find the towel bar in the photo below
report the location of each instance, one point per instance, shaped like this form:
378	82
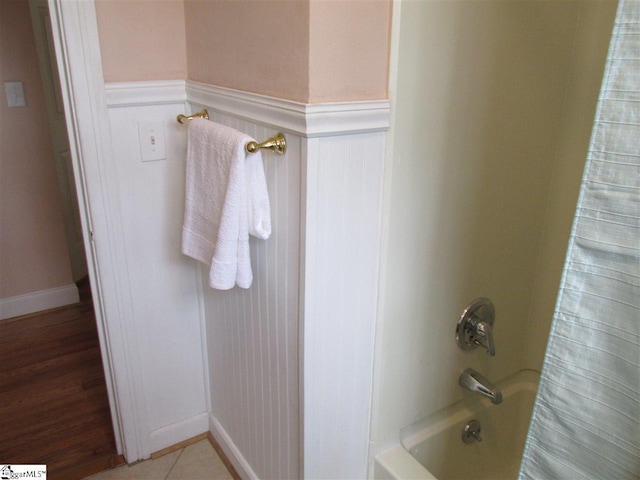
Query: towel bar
201	114
277	143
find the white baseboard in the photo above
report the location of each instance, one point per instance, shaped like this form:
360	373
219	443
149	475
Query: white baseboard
37	301
231	450
178	432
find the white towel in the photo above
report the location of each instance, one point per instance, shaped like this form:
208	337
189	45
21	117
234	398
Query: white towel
226	199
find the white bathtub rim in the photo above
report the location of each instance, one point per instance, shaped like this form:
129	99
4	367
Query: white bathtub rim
397	463
414	434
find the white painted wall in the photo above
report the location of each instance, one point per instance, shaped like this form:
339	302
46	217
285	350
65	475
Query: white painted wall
486	96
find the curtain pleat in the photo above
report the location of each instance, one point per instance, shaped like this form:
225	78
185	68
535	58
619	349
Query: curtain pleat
586	419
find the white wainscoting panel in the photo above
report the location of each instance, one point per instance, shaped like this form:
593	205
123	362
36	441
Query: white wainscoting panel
344	186
289	362
253	334
166	300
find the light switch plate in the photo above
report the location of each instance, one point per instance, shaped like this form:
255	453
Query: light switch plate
15	94
152	140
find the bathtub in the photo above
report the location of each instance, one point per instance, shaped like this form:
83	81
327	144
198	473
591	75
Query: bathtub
433	448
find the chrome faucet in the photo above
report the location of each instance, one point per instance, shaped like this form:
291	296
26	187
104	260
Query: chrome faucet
472	380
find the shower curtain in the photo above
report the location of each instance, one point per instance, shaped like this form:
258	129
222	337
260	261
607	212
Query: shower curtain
585	422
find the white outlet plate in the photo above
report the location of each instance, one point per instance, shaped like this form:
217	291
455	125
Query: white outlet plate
15	94
152	140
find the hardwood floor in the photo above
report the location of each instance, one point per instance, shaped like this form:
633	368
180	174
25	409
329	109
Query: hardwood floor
54	407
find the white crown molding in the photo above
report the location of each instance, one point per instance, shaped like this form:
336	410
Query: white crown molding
307	120
128	94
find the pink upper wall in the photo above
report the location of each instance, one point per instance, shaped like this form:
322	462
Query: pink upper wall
33	248
142	39
349	50
309	51
260	46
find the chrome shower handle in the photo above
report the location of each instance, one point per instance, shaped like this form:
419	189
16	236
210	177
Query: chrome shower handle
475	326
483	330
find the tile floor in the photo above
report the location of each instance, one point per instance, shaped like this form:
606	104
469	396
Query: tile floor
198	461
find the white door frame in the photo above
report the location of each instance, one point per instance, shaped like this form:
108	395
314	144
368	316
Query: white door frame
77	47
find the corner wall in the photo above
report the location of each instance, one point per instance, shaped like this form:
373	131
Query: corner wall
250	45
261	47
306	51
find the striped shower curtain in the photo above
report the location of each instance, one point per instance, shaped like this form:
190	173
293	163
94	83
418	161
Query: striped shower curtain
586	419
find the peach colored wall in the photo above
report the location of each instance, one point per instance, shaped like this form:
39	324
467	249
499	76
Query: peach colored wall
349	50
309	51
252	45
33	250
142	39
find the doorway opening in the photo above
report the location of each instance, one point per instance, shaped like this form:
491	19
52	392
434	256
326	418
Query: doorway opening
54	403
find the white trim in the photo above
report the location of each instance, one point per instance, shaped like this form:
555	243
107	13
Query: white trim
38	301
179	432
374	444
128	94
342	247
304	119
76	40
203	335
347	118
307	120
233	453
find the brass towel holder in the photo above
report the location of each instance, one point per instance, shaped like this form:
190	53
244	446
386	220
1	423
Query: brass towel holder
201	114
277	143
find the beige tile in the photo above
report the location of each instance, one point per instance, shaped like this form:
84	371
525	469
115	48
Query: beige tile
199	462
157	469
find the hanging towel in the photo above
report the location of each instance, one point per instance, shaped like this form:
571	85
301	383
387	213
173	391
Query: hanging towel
226	199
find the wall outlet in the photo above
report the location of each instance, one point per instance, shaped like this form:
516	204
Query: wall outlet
152	140
15	94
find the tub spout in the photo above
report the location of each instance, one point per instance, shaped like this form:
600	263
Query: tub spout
472	380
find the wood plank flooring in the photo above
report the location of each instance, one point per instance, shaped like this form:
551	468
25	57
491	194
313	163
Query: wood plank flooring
54	408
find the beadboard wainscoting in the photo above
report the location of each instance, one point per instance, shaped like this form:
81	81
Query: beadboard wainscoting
343	206
253	334
165	327
286	366
293	356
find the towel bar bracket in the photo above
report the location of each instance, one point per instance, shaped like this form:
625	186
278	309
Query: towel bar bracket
277	144
201	114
